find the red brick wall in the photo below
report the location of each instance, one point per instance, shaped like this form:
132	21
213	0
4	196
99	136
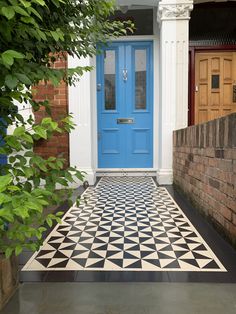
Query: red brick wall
58	145
205	169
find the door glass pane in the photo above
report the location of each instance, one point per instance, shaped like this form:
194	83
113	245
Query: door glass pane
110	79
215	81
140	79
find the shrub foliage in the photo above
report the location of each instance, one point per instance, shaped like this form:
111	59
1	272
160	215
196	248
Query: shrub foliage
33	35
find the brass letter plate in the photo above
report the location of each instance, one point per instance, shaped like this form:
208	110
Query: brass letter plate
125	121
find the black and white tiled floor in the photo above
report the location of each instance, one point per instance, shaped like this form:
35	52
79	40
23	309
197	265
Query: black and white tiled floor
125	224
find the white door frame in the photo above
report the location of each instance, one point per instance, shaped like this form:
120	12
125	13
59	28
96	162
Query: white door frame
83	140
171	47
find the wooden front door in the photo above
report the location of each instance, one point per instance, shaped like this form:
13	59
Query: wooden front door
215	78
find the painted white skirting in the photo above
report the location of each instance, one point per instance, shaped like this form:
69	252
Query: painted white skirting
164	176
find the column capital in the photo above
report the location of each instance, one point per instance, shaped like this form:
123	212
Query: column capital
174	10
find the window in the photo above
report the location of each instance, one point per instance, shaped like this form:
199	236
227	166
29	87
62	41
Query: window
110	79
140	79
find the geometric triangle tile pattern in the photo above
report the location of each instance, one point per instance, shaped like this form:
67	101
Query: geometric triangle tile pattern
125	224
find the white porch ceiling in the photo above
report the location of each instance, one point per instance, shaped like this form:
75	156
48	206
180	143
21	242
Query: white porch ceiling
155	2
137	2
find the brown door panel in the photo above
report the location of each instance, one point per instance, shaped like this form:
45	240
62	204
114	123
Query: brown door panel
215	76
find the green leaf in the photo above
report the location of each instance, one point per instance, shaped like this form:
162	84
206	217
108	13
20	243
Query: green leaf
54	125
38	234
29	154
59	163
12	159
29	20
62	181
13	188
36	181
35	13
42	229
2	198
57	3
23	78
55	35
19	117
8	12
20	11
5	181
25	3
52	165
42	34
3	151
43	202
14	54
49	221
13	142
7	59
22	212
19	131
58	220
6	215
42	166
40	131
27	138
18	250
77	202
28	186
51	159
59	214
36	206
11	81
8	252
41	2
69	177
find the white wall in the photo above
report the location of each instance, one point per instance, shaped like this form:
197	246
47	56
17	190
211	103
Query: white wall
25	110
80	105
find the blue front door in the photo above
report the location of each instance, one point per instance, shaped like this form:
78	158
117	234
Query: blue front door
125	105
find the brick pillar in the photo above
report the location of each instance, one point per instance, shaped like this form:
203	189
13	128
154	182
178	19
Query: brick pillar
58	145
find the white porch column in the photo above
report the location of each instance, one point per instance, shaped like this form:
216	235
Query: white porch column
173	17
80	105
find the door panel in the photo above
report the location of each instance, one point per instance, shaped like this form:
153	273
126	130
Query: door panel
215	75
140	141
124	77
111	141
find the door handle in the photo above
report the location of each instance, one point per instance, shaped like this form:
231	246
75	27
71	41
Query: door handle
125	121
125	75
99	136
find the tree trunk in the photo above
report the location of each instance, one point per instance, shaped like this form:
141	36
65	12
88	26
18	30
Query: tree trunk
9	279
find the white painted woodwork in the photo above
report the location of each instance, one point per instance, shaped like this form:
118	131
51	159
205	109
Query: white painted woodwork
80	105
173	17
170	94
